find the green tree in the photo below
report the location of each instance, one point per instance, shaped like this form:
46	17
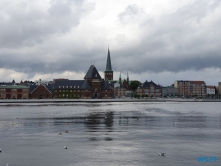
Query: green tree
134	84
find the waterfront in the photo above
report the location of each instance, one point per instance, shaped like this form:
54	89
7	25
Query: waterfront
112	133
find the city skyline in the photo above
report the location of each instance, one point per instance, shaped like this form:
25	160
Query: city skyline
159	41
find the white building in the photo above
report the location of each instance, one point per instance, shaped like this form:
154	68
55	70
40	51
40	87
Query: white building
210	90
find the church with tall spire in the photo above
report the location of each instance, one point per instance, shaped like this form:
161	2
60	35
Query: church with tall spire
108	73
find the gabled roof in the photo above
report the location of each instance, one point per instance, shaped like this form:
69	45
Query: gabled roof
34	87
148	84
86	85
108	64
92	73
68	83
105	85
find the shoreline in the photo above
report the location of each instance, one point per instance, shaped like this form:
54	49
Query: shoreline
8	101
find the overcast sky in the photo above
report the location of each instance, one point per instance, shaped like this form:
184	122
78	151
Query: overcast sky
155	40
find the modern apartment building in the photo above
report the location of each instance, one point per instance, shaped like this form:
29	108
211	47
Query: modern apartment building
190	88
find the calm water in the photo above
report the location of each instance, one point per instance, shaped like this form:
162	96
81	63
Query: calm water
109	134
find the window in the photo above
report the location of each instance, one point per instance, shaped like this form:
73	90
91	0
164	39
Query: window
70	86
74	86
63	86
59	86
67	86
78	86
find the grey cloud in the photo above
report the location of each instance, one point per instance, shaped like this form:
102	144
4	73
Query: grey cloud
21	25
131	13
179	41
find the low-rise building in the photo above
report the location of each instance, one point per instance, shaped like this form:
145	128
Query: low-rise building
13	91
210	90
41	91
169	91
149	89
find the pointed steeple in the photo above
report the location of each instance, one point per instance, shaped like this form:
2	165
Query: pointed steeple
127	75
108	64
120	75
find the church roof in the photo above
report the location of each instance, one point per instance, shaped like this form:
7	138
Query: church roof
108	65
92	73
86	85
105	85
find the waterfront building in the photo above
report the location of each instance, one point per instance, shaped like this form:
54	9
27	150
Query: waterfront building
122	88
190	88
149	89
100	87
67	88
219	88
41	91
169	91
13	91
210	90
93	86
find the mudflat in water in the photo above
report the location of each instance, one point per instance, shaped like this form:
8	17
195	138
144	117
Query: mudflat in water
109	133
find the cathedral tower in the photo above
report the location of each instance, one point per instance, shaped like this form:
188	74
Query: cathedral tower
108	74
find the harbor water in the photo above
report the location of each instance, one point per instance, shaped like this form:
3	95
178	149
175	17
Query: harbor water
110	133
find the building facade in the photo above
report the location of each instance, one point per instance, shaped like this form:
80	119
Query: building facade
149	89
41	91
169	91
191	88
210	90
13	91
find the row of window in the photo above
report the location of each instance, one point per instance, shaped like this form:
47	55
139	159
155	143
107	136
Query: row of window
63	95
19	90
69	86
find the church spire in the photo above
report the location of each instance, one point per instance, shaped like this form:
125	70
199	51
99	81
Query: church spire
108	64
108	73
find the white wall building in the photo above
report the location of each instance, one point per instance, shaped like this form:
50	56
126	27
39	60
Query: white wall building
210	90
